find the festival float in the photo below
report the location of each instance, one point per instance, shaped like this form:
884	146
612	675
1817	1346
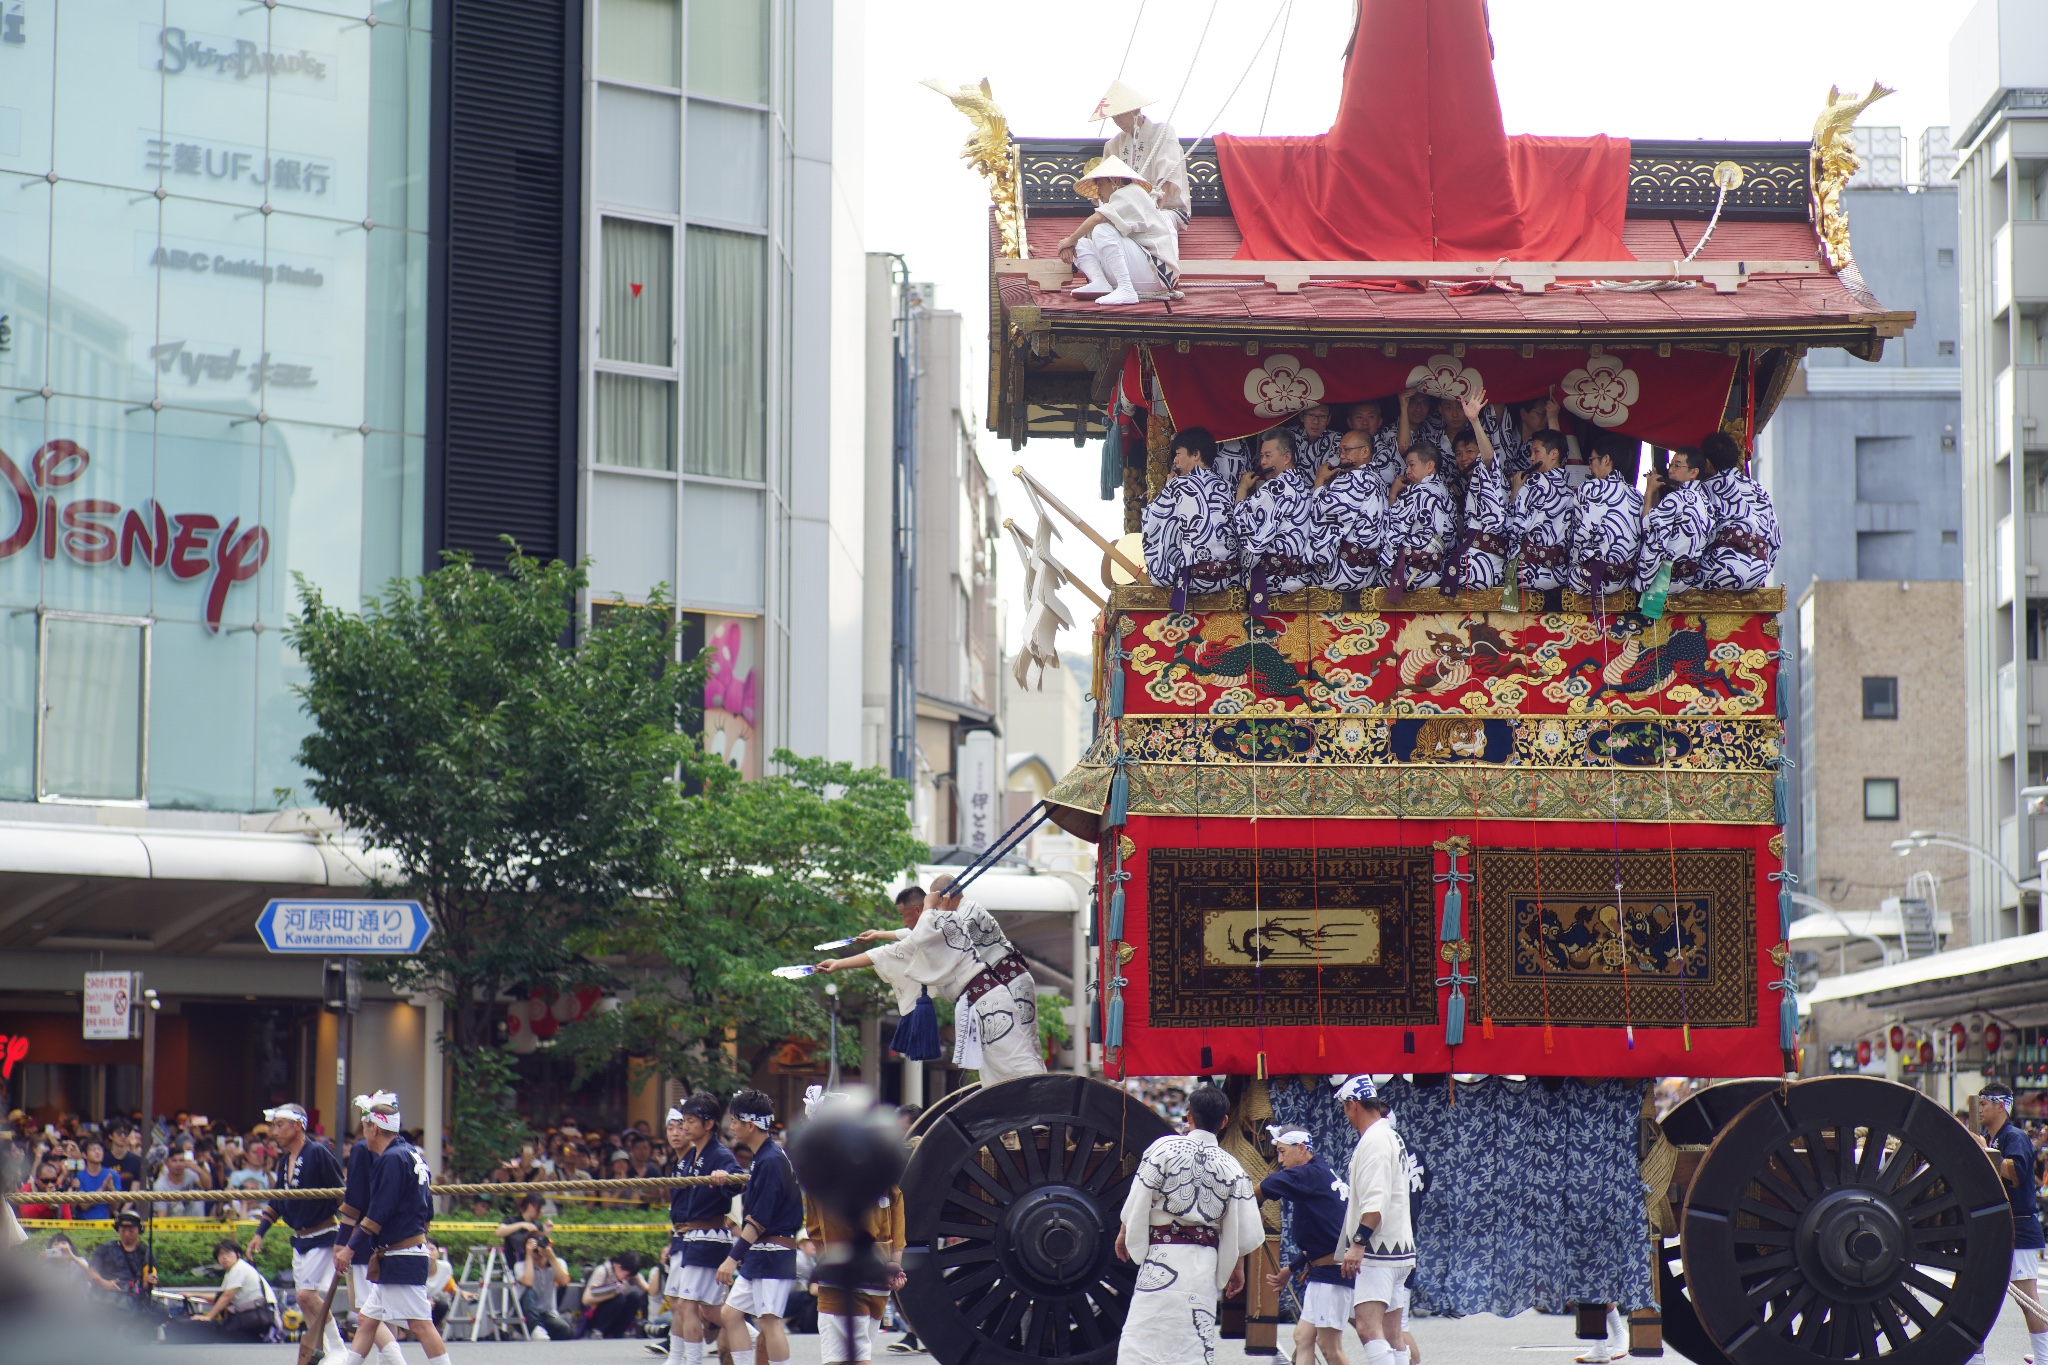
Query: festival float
1523	852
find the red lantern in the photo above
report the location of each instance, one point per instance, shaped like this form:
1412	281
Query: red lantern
1993	1036
1958	1034
1863	1053
1927	1052
1898	1038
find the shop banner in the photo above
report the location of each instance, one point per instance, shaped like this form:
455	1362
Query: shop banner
1667	400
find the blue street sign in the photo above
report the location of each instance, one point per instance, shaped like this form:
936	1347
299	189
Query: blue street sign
364	928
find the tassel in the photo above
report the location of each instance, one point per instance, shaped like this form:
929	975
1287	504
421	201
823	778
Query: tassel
1778	799
1631	1031
1454	906
1322	1045
1116	914
1549	1039
1116	1021
1511	586
1257	586
1262	1066
1651	604
1788	1022
1397	582
1454	1017
917	1037
1119	800
1116	685
1685	1032
1178	603
1486	1027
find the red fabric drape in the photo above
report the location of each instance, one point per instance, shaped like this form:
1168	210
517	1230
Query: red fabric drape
1417	166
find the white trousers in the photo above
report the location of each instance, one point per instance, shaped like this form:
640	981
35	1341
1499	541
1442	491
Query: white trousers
1107	253
835	1349
1173	1308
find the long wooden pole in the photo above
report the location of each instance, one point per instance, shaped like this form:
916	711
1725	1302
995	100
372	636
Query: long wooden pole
1136	571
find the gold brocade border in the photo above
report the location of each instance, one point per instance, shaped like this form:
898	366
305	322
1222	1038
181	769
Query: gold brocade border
1148	597
1382	792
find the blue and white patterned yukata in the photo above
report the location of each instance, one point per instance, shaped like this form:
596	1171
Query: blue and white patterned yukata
1353	510
1607	535
1422	531
1233	458
1485	539
1675	531
1190	534
1541	523
1742	546
1278	532
1313	452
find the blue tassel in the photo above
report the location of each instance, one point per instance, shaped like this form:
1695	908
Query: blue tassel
1120	800
1116	685
1116	914
1116	1021
1778	799
917	1037
1454	1017
1454	913
1788	1021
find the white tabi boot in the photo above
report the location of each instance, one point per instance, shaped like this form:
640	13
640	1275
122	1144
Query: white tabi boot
1089	262
1117	265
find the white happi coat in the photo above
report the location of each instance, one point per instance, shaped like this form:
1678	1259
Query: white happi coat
1191	526
1184	1178
1541	523
1607	527
1485	535
1353	509
1277	526
1742	546
1380	1184
1676	531
1422	532
1153	150
944	952
1146	226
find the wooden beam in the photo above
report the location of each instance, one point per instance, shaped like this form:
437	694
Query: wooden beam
1136	571
1531	277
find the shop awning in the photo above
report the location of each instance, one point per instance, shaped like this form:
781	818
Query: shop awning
297	859
1825	931
1985	972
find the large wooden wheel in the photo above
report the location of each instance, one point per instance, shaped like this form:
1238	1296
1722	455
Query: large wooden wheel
1846	1218
1694	1122
1011	1202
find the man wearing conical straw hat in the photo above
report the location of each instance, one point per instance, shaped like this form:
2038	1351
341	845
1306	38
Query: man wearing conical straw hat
1149	147
1129	248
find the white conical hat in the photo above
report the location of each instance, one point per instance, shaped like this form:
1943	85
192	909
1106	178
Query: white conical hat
1120	99
1109	168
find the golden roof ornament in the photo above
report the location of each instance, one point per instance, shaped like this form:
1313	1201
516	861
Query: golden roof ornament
990	151
1830	163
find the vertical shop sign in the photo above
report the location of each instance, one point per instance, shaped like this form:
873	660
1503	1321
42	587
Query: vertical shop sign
974	778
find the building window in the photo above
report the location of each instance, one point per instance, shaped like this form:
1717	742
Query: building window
1880	699
729	50
636	401
1880	798
639	41
725	306
1944	348
92	725
1948	537
1945	256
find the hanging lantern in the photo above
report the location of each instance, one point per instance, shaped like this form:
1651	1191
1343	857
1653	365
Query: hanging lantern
1993	1036
1898	1038
1880	1045
1927	1052
1958	1034
1863	1053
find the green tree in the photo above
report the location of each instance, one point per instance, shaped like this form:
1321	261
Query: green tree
526	790
761	872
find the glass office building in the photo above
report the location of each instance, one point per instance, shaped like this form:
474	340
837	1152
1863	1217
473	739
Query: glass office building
213	281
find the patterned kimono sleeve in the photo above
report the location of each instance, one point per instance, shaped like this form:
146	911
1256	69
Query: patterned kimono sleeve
1161	528
1677	528
1486	501
1256	524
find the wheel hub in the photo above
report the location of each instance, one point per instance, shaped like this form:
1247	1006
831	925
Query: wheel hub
1052	1239
1853	1242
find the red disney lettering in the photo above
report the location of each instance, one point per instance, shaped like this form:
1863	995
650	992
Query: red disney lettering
97	531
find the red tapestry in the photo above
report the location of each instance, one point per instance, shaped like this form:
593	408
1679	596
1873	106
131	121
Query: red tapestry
1313	946
1673	400
1417	166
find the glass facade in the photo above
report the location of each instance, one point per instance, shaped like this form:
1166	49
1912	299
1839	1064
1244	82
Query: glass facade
213	270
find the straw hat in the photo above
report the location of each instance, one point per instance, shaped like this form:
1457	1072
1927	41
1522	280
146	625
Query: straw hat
1105	168
1120	99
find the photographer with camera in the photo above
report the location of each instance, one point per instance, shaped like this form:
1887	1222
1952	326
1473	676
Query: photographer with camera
542	1276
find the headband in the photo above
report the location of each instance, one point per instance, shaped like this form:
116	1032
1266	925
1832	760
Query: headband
675	1115
387	1121
1997	1091
1357	1088
760	1119
1288	1137
363	1103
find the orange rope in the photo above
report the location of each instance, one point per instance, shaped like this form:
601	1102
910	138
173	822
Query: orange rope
1542	949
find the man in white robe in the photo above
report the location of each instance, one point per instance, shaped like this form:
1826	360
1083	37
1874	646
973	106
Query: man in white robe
1677	523
1129	248
960	952
1188	1222
1190	529
1377	1246
1742	547
1152	148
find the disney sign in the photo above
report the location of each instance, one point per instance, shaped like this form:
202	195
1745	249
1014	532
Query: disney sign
91	531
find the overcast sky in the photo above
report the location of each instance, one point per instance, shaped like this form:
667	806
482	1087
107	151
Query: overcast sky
1736	69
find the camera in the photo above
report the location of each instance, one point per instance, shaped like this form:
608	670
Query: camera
72	1163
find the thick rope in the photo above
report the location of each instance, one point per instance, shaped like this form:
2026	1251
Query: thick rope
247	1195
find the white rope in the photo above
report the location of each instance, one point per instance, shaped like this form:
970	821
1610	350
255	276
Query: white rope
1218	118
1652	286
1279	55
1133	41
1192	60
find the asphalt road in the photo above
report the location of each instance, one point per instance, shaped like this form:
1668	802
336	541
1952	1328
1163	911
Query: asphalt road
1530	1339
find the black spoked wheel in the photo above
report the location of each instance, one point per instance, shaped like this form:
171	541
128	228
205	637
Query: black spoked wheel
938	1107
1695	1122
1011	1203
1846	1219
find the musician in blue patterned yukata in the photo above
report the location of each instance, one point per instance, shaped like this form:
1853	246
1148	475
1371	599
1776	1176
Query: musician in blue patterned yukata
1315	443
1540	520
1353	510
1509	427
1190	529
1422	526
1676	524
1233	458
1280	542
1607	526
1742	547
1416	418
1385	461
1484	541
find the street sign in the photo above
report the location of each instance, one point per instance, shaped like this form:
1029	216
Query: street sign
364	928
110	1001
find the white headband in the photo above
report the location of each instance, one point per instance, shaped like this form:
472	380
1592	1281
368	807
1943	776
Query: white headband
674	1116
1288	1137
388	1122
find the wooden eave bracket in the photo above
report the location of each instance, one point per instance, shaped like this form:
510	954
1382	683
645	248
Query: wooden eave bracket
1531	277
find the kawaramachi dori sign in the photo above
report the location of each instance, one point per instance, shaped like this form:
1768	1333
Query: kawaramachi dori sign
374	928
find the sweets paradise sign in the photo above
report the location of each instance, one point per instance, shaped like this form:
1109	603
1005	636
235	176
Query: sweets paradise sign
35	518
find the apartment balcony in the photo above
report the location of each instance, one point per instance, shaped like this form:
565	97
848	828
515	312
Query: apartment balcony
2019	264
2036	704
